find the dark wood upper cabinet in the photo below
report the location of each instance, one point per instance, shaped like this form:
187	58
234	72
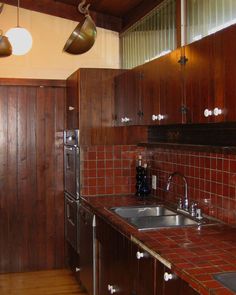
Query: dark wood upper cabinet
198	81
225	73
166	91
171	88
151	93
90	104
127	98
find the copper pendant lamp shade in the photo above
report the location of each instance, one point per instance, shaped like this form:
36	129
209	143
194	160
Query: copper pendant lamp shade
83	36
5	46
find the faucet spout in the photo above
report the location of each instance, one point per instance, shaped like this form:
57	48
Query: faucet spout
185	198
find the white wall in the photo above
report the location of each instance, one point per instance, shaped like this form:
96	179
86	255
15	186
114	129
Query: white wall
46	59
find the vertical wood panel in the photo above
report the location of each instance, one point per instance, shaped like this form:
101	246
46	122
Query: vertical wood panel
31	178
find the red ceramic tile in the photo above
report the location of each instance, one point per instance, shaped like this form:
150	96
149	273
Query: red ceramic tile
223	291
100	155
92	164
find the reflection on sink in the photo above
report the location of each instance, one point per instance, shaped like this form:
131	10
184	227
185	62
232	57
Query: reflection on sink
141	211
154	222
227	279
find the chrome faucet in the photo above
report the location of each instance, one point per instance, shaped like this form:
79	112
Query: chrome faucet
183	203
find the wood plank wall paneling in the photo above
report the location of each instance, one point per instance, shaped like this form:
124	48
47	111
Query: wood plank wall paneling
31	178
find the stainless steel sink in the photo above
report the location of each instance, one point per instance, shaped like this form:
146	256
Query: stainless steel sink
155	222
141	211
228	279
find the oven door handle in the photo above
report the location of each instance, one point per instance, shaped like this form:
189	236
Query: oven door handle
71	222
68	214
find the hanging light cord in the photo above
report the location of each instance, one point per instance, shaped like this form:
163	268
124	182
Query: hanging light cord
18	13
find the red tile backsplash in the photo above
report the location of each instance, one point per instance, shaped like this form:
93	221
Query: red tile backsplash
211	177
109	169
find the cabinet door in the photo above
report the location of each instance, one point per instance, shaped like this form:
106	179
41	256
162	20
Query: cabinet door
113	252
169	283
224	67
151	92
143	266
127	98
72	102
198	78
198	81
171	96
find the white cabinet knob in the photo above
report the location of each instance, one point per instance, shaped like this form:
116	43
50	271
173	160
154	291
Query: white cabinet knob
70	108
168	276
207	113
158	117
125	120
111	289
217	111
139	255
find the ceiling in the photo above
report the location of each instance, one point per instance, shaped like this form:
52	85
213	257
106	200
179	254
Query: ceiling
116	15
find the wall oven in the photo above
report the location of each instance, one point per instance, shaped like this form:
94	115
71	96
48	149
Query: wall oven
72	163
72	187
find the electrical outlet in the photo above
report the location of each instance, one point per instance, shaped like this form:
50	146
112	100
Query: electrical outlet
154	182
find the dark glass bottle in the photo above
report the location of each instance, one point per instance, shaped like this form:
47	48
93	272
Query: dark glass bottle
139	177
145	190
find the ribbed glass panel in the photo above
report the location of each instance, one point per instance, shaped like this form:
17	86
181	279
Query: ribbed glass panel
150	37
205	17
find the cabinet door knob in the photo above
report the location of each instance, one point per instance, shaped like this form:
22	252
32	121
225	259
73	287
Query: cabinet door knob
70	108
207	113
139	255
158	117
113	290
168	276
217	112
125	120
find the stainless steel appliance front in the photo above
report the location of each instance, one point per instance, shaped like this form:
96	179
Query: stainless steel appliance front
72	163
72	187
72	222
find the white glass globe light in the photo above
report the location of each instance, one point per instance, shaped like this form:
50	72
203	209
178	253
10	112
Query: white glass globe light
20	39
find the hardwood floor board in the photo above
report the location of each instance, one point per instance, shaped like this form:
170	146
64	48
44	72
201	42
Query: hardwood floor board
52	282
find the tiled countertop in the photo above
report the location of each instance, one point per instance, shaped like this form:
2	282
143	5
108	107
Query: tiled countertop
195	254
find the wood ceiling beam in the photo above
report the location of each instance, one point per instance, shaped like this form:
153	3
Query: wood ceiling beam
67	11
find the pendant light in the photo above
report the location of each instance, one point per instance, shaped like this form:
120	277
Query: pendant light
84	35
20	38
5	45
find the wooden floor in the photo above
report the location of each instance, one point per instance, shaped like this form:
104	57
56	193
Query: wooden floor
52	282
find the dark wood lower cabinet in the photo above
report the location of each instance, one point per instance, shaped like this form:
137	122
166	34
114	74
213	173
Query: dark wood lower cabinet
126	269
168	283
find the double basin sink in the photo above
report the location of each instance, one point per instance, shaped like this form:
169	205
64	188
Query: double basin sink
149	217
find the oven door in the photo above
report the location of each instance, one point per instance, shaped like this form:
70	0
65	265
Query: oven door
71	170
72	222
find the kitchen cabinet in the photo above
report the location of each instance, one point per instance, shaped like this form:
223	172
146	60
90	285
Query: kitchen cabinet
112	260
168	283
162	90
119	269
200	89
224	49
87	249
199	82
151	93
90	104
143	267
127	98
209	78
125	268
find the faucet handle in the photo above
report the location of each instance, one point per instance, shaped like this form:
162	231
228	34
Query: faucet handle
193	209
180	203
